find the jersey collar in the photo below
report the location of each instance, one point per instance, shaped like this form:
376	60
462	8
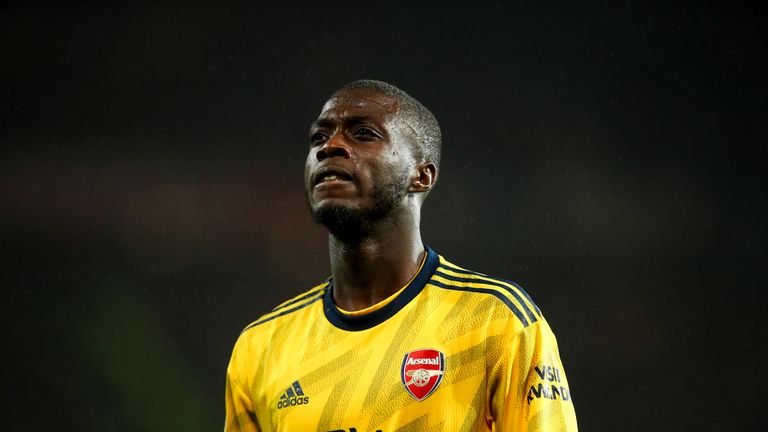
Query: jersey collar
364	322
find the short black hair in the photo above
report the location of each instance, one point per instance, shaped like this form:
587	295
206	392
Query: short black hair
414	113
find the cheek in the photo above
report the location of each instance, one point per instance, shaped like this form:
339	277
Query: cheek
308	166
393	171
311	157
391	158
399	162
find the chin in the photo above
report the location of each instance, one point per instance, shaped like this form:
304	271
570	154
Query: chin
345	221
351	220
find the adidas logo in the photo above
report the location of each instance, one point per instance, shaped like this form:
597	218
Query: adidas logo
293	396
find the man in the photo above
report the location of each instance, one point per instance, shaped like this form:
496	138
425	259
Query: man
399	338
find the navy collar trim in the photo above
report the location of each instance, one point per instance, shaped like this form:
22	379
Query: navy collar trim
364	322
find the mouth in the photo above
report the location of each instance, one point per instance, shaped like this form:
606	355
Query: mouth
331	175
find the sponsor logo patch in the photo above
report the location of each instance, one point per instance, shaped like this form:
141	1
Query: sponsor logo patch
549	385
422	372
293	396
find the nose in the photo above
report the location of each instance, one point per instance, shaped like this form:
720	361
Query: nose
336	146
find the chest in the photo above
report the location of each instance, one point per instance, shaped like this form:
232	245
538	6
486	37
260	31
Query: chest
380	379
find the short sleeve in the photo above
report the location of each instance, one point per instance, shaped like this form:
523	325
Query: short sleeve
240	415
528	390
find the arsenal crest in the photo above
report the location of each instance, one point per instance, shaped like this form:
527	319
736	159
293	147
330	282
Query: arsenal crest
422	372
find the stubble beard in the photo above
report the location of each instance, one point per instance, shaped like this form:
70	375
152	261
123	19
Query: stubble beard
353	224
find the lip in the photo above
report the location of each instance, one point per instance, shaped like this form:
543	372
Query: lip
331	170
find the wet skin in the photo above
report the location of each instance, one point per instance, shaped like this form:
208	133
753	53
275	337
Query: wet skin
353	147
357	144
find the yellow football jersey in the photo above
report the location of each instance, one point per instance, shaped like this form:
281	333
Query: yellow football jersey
454	350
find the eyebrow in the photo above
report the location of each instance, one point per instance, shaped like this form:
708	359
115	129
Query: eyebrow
330	122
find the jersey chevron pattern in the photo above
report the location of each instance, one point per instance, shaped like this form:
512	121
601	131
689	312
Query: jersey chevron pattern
455	351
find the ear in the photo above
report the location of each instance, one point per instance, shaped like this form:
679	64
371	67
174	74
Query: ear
425	178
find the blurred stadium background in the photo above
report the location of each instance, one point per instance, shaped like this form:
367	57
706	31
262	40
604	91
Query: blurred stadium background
612	160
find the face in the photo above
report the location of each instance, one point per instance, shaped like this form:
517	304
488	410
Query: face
359	164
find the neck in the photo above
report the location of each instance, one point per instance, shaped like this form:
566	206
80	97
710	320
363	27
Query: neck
370	270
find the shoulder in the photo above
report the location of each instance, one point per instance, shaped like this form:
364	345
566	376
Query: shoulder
269	332
508	296
289	307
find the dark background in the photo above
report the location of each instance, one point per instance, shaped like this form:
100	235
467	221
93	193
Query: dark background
612	160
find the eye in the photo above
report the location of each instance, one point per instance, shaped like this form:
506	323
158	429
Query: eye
365	133
317	138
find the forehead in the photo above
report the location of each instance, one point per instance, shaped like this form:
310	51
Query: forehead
368	103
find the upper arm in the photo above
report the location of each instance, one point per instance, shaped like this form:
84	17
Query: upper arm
240	415
528	389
